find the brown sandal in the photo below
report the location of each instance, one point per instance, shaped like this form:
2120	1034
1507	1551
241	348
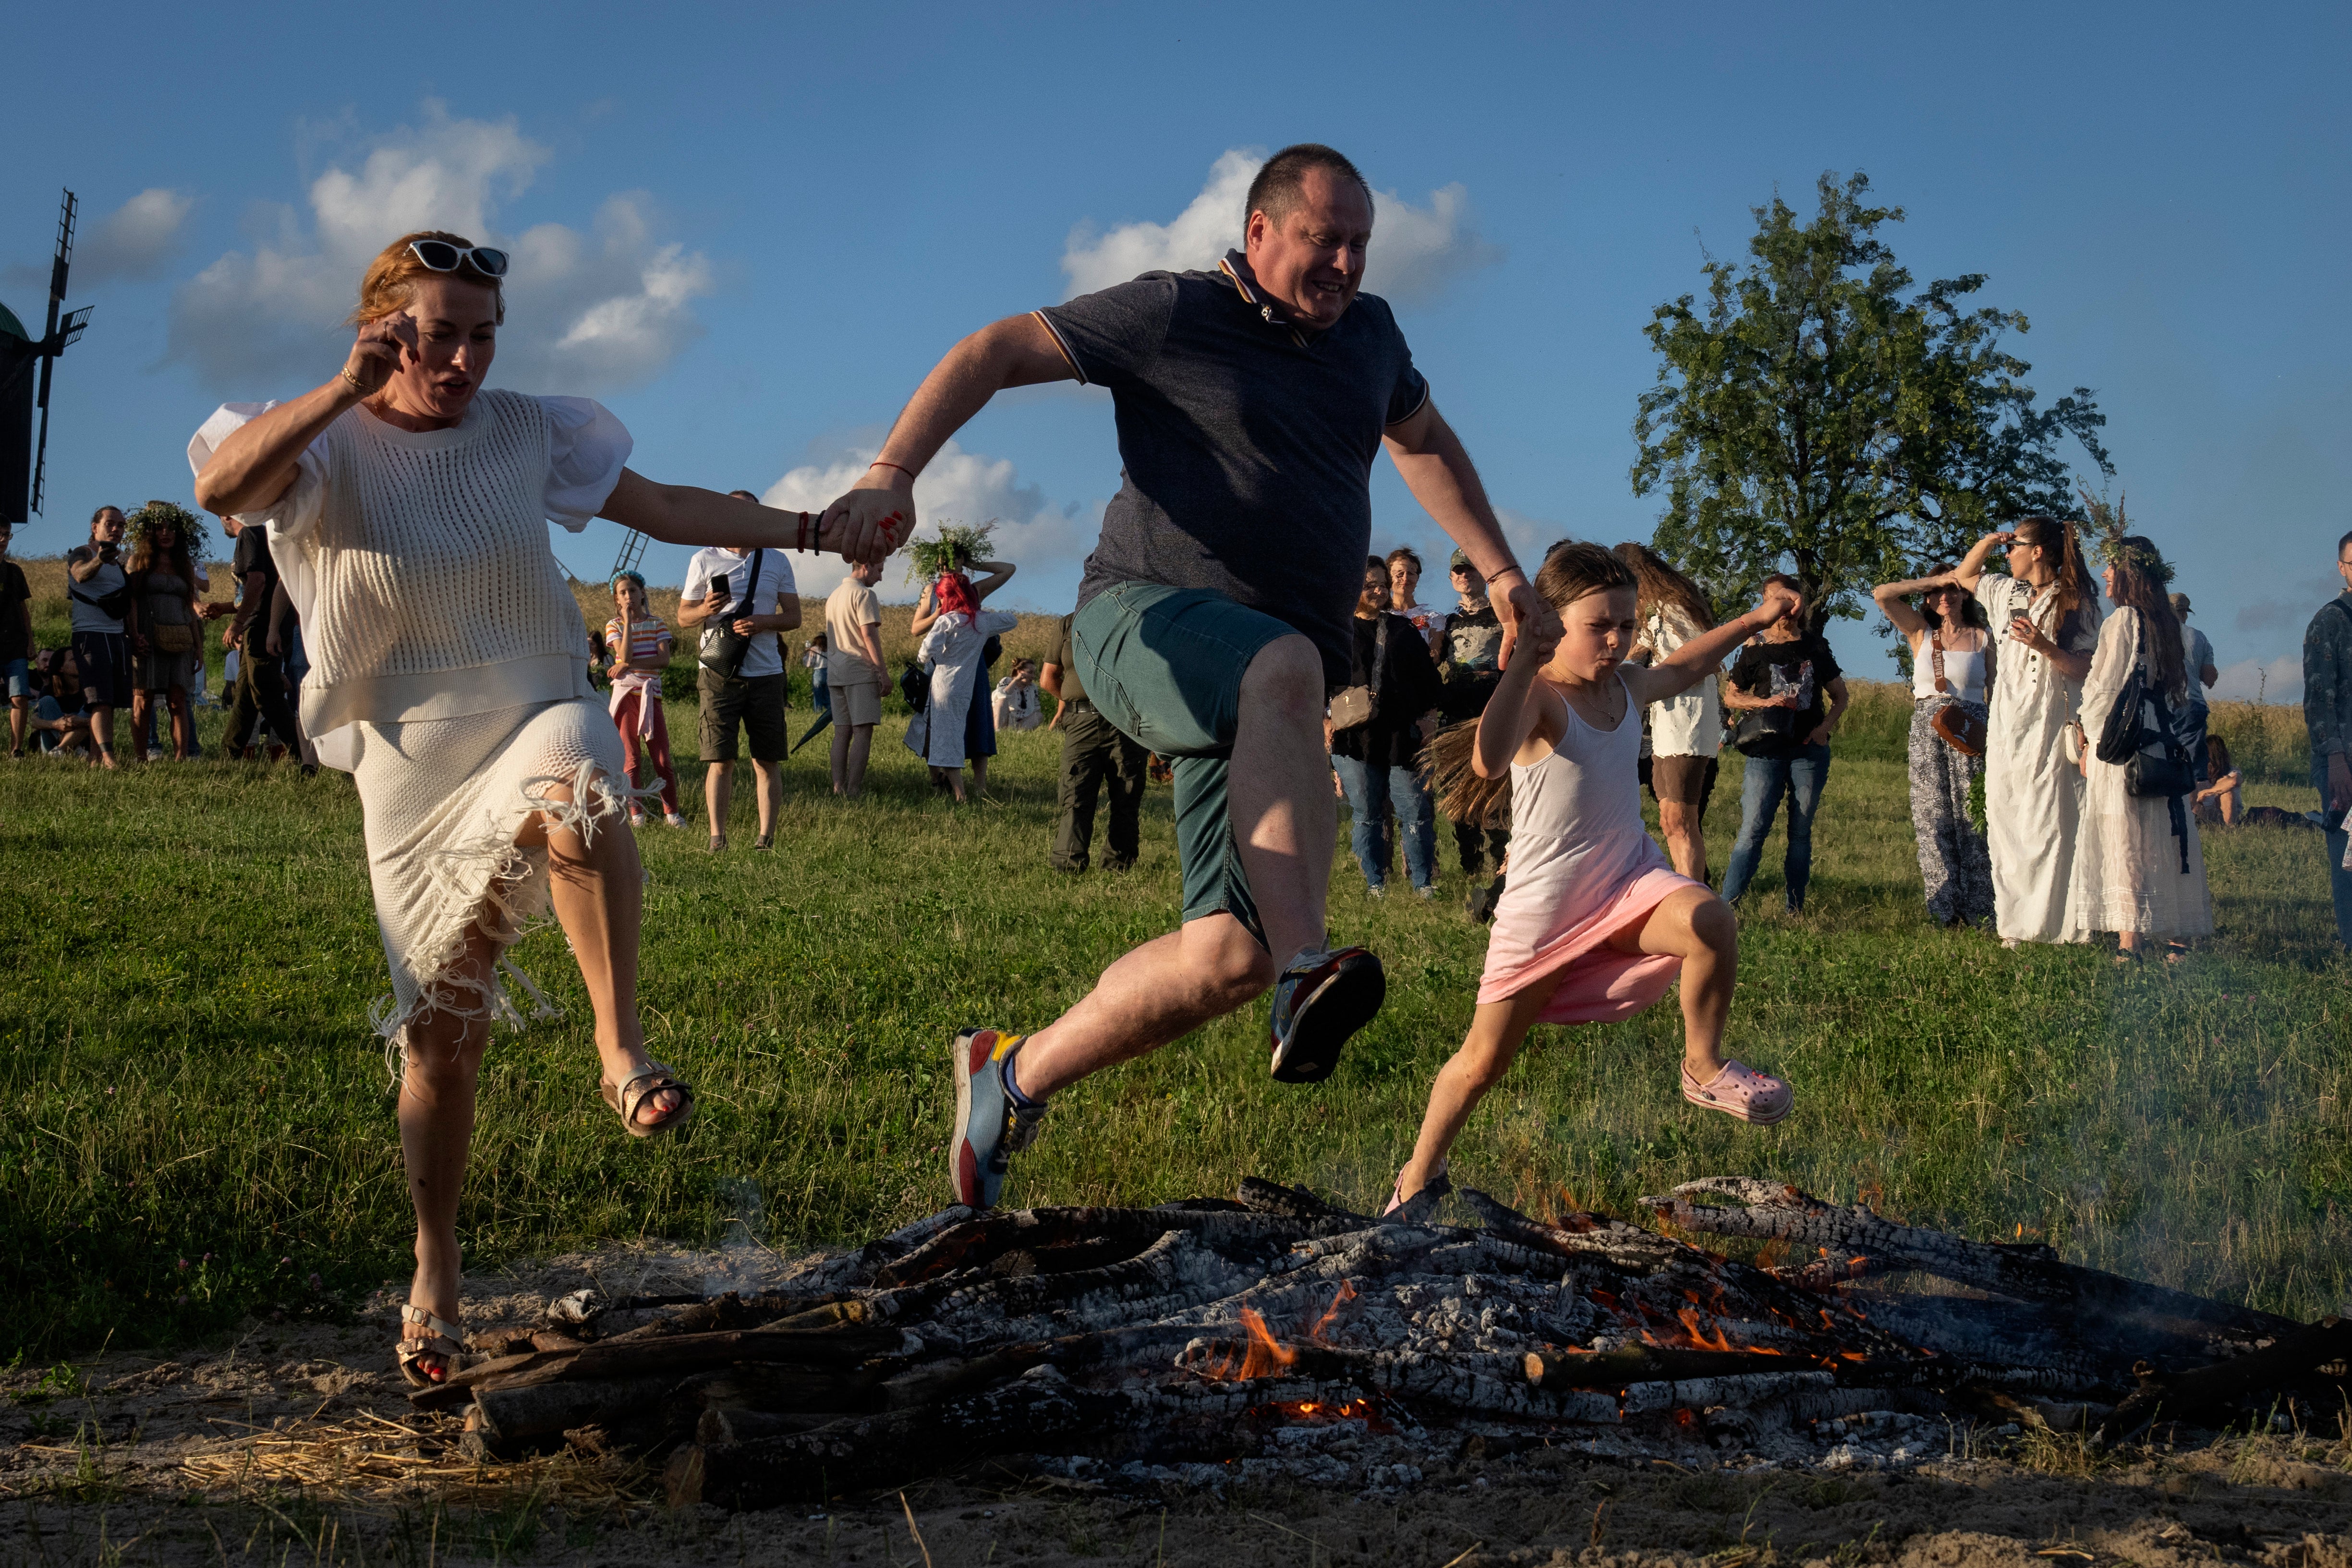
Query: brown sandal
445	1340
627	1099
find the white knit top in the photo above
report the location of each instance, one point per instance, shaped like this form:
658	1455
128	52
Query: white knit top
419	561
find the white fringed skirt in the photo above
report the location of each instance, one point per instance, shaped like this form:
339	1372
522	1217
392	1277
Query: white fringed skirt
444	800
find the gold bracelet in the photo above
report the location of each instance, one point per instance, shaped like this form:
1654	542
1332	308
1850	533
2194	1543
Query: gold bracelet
346	373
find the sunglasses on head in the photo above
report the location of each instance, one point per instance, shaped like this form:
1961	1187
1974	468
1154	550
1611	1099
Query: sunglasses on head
440	256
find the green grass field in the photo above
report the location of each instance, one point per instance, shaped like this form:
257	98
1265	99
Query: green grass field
197	1119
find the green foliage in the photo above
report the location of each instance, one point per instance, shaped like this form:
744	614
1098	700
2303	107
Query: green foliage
1809	417
957	546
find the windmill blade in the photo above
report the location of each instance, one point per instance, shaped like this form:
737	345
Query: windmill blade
53	343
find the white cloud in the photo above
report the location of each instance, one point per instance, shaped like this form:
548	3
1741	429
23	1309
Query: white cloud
1415	251
135	240
957	486
585	313
2251	680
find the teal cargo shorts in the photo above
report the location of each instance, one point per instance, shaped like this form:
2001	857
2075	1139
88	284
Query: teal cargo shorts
1165	666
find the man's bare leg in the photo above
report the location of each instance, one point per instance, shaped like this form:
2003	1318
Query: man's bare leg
1687	846
1155	996
861	747
1286	825
769	780
718	795
1285	819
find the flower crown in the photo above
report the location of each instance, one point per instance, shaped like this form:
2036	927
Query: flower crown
957	542
2116	544
158	514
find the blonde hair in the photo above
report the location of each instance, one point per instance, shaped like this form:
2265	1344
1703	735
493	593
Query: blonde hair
1571	569
390	282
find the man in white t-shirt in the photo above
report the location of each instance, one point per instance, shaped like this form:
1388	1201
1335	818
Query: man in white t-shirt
720	580
852	674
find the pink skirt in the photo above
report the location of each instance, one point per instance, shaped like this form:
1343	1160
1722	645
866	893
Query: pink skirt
1601	984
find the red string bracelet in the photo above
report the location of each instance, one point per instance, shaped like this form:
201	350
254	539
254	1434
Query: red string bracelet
878	463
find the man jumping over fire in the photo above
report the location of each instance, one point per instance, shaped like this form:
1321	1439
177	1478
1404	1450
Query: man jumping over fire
1215	614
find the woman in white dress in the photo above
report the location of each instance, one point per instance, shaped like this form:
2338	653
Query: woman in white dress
408	509
2045	618
1685	732
955	629
2139	869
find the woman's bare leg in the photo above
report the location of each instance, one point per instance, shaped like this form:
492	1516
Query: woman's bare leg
183	725
1698	926
1496	1031
443	1064
598	889
140	702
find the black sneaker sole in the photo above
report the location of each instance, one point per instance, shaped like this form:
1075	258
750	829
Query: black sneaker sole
1347	1001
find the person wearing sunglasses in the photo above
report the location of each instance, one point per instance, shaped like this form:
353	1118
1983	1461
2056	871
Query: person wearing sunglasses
407	508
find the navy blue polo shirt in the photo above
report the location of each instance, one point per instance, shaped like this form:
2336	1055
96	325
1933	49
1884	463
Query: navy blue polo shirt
1247	441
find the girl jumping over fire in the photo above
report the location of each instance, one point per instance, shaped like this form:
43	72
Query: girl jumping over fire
1594	924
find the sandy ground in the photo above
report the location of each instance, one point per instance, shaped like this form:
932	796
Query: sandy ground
292	1443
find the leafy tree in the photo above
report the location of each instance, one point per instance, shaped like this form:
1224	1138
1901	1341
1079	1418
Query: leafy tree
1811	419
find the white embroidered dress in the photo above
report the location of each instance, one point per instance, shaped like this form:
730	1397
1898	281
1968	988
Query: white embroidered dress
2034	794
448	662
952	648
2128	874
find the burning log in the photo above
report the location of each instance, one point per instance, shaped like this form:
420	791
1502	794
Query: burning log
1200	1330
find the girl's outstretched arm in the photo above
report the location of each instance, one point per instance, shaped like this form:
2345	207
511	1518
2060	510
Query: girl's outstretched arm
1702	655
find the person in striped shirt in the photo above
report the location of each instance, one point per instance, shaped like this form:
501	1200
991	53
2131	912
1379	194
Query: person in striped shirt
640	646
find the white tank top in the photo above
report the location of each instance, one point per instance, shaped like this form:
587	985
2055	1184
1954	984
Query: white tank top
1965	671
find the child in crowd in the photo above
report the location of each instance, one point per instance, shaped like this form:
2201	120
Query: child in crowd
640	647
1594	924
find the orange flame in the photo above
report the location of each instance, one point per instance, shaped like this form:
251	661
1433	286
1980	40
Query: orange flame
1347	1293
1263	1355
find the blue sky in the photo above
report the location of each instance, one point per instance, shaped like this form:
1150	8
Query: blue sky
750	231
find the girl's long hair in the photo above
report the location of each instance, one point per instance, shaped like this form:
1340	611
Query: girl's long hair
2078	591
2217	756
1571	569
2140	589
1661	585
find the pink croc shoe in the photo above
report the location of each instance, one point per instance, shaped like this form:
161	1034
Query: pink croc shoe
1739	1090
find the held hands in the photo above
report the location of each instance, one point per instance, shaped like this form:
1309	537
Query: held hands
874	517
376	353
1526	616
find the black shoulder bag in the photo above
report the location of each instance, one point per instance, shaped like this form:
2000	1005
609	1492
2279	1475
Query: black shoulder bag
2156	766
723	648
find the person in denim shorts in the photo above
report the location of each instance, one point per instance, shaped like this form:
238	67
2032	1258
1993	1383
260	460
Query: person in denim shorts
1215	614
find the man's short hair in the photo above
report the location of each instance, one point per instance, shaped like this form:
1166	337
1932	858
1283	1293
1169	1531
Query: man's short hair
745	495
1785	582
2340	544
1279	182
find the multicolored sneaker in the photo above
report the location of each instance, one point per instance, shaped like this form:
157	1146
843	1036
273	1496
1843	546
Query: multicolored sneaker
989	1127
1320	1000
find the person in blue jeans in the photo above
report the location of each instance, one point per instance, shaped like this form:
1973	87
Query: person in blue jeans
2327	716
1789	677
1379	760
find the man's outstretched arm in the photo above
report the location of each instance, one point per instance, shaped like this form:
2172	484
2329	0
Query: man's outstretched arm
1015	352
1437	468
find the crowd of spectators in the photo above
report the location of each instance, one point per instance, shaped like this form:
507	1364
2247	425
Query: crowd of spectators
1996	661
